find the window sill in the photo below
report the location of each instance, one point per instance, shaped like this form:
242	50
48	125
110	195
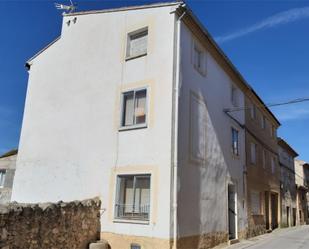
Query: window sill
128	221
132	127
134	56
200	71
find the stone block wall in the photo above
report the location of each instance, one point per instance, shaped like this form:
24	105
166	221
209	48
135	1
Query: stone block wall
71	225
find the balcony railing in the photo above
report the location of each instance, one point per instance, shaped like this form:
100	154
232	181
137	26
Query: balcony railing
132	212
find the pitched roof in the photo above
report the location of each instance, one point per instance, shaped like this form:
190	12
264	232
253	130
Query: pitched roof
135	7
10	153
285	145
184	8
227	60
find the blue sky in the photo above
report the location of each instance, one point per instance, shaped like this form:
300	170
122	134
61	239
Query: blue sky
268	41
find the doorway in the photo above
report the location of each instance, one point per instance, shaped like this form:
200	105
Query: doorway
288	216
274	211
267	210
232	212
294	217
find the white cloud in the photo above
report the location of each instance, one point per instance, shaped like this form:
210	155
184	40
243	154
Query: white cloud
293	114
281	18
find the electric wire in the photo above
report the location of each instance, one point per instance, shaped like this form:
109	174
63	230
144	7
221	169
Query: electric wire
293	101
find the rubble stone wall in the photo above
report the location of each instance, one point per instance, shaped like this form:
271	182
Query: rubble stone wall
71	225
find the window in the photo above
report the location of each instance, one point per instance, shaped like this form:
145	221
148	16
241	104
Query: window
137	43
234	95
273	165
263	124
133	197
134	108
198	129
2	178
264	159
273	131
235	142
135	246
253	153
253	111
255	203
199	58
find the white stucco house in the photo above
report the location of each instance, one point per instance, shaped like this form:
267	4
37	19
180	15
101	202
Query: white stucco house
128	104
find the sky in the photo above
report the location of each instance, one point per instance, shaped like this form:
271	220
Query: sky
268	41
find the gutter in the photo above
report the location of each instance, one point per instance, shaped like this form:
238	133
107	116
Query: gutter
175	115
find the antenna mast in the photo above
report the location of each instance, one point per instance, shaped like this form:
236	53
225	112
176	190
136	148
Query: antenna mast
67	8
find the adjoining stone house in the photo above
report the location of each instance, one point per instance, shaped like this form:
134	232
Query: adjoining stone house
262	168
287	156
306	176
137	105
302	190
7	172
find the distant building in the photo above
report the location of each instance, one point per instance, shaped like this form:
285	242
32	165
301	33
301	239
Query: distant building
288	185
301	169
7	172
262	167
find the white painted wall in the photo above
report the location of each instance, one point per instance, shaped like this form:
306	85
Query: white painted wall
203	186
70	145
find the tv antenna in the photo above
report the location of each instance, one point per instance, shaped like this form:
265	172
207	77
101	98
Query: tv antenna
66	8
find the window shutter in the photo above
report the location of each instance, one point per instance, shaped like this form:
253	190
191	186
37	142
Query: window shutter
255	203
138	43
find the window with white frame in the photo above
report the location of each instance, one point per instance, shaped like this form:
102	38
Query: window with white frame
137	43
2	177
199	58
253	150
255	203
273	164
133	197
264	158
235	142
234	95
134	104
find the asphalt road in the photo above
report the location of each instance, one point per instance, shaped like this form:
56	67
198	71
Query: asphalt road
289	238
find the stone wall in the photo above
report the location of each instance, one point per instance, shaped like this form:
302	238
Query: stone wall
59	225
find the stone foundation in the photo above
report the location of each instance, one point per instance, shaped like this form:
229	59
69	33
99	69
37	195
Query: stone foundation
60	225
118	241
204	241
243	234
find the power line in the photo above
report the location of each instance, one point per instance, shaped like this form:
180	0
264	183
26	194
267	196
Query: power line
294	101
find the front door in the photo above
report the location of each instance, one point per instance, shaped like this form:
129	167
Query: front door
274	211
232	211
294	217
267	210
288	216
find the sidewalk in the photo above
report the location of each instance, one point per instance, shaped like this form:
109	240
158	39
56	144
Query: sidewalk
261	238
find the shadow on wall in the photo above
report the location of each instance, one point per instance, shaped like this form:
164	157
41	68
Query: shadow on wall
204	172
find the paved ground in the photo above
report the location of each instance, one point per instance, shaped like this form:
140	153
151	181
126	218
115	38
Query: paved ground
288	238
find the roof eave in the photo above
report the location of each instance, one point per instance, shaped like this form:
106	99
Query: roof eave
137	7
30	61
228	61
282	142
